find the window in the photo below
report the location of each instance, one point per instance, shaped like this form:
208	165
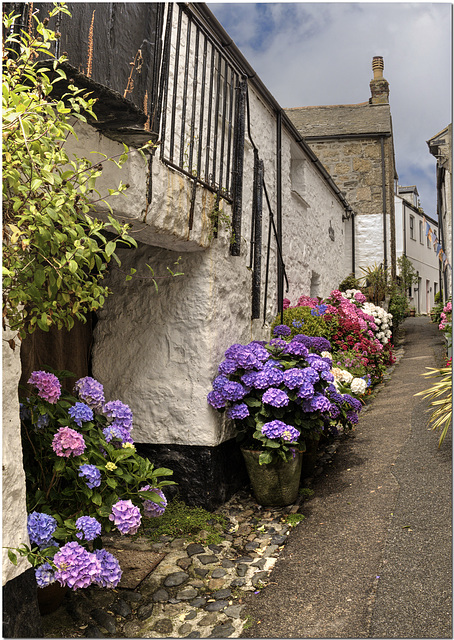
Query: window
412	227
421	233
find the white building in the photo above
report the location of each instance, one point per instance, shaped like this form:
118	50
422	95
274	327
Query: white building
413	241
440	146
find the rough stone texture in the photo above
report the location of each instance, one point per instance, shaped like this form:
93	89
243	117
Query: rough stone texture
14	524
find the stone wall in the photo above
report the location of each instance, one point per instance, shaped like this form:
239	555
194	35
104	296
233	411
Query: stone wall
356	167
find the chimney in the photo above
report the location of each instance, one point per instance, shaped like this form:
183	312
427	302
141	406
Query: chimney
379	87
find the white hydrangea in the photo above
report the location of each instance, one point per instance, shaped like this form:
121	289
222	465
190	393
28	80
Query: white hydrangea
326	354
358	386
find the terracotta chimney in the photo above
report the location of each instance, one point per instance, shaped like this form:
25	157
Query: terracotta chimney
379	87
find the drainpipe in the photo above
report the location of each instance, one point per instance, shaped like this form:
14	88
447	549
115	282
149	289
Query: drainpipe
353	244
383	179
280	273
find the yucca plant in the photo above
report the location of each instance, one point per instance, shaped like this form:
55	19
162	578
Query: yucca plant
441	395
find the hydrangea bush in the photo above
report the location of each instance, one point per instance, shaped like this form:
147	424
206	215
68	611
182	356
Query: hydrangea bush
83	478
280	393
350	323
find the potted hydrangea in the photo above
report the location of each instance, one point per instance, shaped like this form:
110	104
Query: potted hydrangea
281	396
83	478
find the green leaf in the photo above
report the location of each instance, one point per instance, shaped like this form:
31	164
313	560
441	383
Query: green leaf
110	247
97	499
12	556
39	277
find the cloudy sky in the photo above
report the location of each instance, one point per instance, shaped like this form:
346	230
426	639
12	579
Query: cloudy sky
311	53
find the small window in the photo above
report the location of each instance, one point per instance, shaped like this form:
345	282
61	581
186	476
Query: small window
421	236
412	227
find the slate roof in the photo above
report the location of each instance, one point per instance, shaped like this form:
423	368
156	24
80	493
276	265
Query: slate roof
343	119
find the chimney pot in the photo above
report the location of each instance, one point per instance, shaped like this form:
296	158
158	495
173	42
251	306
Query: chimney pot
377	67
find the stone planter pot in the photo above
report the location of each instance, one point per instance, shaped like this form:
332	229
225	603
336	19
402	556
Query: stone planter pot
276	484
51	597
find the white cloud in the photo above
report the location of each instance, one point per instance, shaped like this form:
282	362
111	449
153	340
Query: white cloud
321	53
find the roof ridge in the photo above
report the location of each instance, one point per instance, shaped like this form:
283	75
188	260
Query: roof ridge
327	106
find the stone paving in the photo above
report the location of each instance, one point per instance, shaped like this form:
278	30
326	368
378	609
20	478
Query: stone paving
197	589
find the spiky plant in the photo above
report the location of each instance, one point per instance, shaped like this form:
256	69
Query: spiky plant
441	395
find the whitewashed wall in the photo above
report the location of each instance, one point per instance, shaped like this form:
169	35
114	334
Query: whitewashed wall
159	351
14	513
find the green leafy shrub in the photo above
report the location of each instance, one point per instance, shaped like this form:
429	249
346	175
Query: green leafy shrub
350	282
302	321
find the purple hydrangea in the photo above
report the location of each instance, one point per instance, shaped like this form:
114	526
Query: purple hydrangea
296	348
233	391
275	397
272	364
110	573
310	375
354	403
153	509
306	391
219	382
334	411
318	363
41	527
269	377
282	330
216	399
238	411
68	442
248	378
76	567
91	392
228	366
278	342
89	528
120	414
278	429
246	359
258	349
45	575
319	344
119	433
293	378
91	475
42	421
126	517
232	350
327	376
48	385
317	403
352	417
80	413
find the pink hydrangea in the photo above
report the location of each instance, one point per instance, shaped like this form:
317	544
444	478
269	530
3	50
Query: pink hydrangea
76	567
126	517
48	385
68	442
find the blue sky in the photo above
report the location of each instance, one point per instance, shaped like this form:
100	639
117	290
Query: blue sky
311	53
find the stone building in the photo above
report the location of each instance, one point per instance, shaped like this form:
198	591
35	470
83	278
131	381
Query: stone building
415	231
440	146
355	144
231	191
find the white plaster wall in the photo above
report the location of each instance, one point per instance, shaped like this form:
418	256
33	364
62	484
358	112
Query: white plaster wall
369	241
14	513
159	352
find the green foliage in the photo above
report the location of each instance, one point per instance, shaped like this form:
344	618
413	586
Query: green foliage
375	283
300	320
398	305
181	520
350	282
294	518
440	394
407	272
55	253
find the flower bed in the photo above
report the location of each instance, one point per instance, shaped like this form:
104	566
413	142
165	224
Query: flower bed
83	478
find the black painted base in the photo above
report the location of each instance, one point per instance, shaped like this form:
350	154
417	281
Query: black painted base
207	476
21	617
